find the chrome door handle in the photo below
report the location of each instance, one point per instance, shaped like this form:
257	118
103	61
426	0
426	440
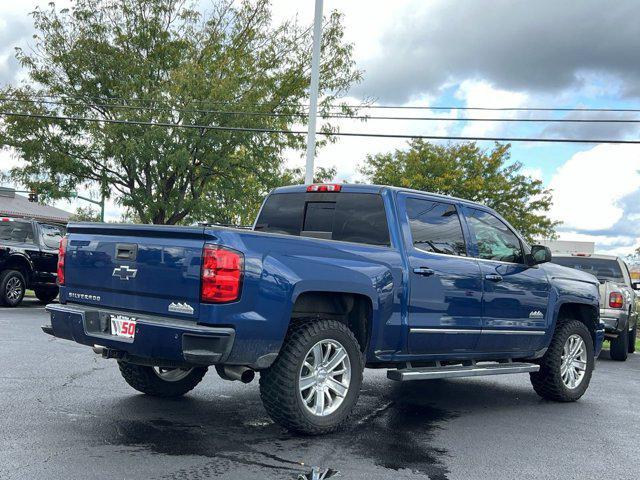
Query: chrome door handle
493	277
424	271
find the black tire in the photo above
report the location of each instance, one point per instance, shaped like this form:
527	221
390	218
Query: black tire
9	280
279	384
619	347
632	339
46	295
146	380
548	381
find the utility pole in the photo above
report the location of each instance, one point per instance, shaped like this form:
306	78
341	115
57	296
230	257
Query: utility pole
313	90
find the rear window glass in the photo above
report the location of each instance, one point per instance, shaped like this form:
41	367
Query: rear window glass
603	268
349	217
51	235
16	231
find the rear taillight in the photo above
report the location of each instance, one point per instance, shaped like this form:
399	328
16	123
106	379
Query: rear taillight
325	187
62	250
221	277
616	300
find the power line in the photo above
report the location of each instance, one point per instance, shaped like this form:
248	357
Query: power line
325	116
367	106
328	134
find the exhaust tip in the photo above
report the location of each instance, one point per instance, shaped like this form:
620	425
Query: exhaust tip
247	376
234	372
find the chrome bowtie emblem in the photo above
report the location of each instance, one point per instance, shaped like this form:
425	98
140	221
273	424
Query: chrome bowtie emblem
123	272
180	308
536	314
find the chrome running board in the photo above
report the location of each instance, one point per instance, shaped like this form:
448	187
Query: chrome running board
456	371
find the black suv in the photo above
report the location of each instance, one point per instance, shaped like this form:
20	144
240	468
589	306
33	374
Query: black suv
28	259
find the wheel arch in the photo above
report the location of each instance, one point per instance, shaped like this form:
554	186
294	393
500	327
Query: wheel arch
587	314
354	309
21	263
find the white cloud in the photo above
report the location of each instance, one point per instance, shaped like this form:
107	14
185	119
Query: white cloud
588	187
477	93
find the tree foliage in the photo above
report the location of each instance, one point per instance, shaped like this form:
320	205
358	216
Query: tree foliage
467	171
162	61
85	214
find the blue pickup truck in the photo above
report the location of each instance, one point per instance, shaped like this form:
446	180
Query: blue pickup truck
331	278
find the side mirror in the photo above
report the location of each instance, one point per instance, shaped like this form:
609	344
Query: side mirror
539	254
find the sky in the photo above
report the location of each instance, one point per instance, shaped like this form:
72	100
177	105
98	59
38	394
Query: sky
480	53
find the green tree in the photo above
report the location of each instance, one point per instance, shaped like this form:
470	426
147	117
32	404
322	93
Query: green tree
85	214
467	171
164	62
226	207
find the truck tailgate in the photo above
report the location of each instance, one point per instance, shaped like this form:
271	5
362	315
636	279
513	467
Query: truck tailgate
154	269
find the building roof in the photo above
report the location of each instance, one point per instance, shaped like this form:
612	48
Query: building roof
15	205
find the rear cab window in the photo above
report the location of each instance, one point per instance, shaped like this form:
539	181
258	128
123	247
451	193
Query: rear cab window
343	216
604	269
50	235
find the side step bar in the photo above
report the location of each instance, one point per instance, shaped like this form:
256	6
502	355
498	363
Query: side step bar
455	371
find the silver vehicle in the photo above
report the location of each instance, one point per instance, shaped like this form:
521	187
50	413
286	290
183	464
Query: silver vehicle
618	298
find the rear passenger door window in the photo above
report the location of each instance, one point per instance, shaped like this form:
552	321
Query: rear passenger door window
494	240
435	227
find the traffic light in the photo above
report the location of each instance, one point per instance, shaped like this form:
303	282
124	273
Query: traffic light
33	197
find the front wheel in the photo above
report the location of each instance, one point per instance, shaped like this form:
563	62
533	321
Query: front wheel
12	288
566	368
314	383
161	382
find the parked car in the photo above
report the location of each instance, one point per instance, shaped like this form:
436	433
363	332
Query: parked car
332	278
618	298
28	259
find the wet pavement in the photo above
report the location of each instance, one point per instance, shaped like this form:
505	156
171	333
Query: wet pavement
67	413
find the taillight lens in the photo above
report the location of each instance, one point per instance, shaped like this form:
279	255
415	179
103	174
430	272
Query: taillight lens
616	300
326	187
62	250
221	277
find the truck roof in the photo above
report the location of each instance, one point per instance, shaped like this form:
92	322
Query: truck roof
587	255
372	188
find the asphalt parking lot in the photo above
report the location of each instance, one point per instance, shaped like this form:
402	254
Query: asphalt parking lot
67	413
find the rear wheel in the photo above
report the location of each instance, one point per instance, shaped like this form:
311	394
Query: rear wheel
161	382
632	338
566	368
314	383
12	288
46	295
620	346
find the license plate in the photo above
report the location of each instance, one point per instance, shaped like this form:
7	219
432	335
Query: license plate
122	326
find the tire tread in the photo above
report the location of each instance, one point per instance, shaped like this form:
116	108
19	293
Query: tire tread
278	389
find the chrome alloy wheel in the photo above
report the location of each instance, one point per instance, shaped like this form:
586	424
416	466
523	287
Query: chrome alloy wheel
323	381
14	289
573	364
172	374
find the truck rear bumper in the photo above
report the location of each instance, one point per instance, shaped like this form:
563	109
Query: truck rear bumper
158	340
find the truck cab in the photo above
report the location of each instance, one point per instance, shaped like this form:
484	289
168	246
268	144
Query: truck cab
28	259
331	279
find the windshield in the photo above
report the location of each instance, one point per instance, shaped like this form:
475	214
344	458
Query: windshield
16	231
603	268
